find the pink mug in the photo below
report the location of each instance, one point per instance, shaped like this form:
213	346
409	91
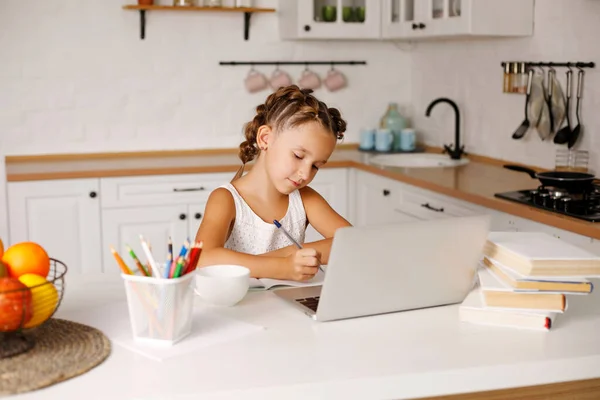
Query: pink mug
309	80
256	81
335	80
279	79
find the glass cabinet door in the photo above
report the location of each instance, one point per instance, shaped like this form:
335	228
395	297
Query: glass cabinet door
342	19
447	17
400	18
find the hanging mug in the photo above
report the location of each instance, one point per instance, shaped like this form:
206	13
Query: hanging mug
279	79
335	80
309	80
255	81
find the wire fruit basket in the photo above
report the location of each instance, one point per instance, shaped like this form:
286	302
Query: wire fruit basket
24	308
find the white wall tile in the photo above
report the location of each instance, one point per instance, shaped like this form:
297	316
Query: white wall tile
75	77
469	72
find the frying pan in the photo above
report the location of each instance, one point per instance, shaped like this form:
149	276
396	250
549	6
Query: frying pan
571	181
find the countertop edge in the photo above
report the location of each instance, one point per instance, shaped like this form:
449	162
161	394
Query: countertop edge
520	210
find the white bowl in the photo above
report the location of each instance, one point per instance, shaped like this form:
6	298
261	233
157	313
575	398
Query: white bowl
222	285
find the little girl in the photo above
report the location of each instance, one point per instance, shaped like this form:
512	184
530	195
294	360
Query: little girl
293	134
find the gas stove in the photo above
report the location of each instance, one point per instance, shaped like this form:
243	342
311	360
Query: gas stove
583	205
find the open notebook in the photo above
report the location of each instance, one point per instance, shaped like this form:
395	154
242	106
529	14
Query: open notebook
266	283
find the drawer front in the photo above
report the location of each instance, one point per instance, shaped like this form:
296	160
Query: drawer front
160	189
432	207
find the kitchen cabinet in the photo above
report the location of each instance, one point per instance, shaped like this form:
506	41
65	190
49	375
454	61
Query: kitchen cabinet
173	205
329	19
156	207
415	19
122	227
377	201
63	216
332	184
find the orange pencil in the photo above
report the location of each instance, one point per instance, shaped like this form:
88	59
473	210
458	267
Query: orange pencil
120	261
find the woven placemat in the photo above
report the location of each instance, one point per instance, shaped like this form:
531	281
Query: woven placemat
62	350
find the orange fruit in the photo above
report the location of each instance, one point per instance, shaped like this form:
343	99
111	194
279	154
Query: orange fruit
26	258
1	249
44	298
15	304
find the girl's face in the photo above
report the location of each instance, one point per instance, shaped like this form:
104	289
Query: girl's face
294	156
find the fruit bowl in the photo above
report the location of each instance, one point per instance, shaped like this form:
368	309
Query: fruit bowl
26	307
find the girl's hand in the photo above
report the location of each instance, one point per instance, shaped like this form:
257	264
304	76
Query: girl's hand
303	264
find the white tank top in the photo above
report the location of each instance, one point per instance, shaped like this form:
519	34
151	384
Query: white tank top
252	235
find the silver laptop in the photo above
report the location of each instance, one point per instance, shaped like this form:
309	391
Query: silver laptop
388	268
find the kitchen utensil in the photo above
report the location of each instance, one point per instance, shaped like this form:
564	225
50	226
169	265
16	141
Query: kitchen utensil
557	105
522	129
571	181
550	92
577	130
562	136
539	113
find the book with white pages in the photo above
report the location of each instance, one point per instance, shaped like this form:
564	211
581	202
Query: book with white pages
520	282
496	293
267	283
541	254
473	310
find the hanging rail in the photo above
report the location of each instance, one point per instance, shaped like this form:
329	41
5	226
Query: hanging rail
292	63
576	64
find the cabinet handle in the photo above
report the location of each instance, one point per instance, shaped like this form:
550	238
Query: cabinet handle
197	189
414	26
182	216
421	25
93	194
386	192
198	215
307	28
426	205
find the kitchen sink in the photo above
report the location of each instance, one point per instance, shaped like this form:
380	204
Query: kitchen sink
417	160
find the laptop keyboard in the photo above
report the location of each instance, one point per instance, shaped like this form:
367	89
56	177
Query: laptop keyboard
310	302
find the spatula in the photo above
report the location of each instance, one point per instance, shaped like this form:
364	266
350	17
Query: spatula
562	136
577	130
522	129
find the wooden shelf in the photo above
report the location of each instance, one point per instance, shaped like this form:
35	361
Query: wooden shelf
246	10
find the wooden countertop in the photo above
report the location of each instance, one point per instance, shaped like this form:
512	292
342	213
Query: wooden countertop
475	182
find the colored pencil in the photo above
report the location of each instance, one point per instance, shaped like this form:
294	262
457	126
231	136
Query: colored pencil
137	261
182	253
120	262
149	257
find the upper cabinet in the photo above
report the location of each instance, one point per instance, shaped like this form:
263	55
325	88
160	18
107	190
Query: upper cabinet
412	19
329	19
404	19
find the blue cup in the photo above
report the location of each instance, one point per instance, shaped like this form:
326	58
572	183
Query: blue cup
383	140
367	139
407	139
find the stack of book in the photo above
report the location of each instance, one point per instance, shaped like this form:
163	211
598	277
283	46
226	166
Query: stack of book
525	278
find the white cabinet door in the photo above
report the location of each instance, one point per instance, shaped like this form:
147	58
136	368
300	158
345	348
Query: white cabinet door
332	184
63	216
377	201
414	19
329	19
194	217
123	227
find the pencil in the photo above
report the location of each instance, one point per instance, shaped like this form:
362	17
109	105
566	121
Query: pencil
149	257
294	241
138	264
120	261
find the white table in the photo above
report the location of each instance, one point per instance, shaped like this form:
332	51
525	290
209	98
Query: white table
401	355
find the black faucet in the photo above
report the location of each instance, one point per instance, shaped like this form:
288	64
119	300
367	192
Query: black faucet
458	150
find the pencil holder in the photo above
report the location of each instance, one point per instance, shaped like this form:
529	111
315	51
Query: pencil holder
160	310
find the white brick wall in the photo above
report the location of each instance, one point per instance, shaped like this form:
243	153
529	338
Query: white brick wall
75	77
470	73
